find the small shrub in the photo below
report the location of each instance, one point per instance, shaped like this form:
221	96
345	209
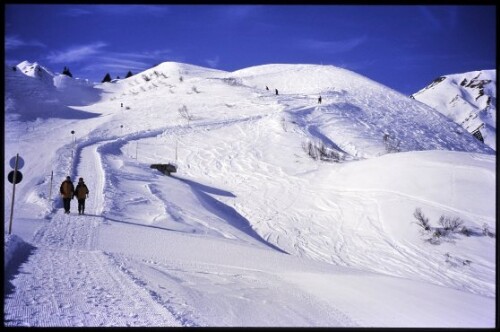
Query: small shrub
181	79
391	144
438	233
146	78
320	151
232	81
487	231
422	220
184	113
195	89
465	231
449	224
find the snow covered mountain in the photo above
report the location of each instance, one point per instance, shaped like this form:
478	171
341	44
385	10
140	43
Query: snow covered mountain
368	209
469	99
34	92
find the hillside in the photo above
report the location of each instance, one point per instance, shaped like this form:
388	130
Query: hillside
282	212
469	99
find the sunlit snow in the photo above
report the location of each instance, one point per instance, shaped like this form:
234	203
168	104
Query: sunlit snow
250	230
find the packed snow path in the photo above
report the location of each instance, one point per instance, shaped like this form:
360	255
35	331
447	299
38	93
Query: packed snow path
67	258
70	281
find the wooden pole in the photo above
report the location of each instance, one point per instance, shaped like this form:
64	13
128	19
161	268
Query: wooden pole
50	190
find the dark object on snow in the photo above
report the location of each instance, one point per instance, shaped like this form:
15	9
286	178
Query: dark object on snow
276	91
165	168
67	72
106	78
267	88
319	100
129	74
477	134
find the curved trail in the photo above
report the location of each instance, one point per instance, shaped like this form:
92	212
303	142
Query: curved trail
67	258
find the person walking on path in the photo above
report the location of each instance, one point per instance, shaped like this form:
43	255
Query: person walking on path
67	189
81	193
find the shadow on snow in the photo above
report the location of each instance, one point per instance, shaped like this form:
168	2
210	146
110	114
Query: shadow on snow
221	210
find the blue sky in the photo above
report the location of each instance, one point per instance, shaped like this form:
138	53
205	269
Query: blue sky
402	46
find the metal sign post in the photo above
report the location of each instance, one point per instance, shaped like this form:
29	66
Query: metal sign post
14	177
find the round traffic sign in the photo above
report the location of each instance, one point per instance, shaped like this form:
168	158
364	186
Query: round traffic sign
19	176
20	162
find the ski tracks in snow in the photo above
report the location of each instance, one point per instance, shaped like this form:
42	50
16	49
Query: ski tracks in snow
66	258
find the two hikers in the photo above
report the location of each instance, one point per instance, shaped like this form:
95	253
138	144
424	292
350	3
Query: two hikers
68	192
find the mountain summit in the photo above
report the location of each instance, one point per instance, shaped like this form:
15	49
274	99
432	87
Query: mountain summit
469	99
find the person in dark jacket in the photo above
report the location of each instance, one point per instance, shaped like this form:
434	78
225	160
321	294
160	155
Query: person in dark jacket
67	189
319	100
276	90
81	193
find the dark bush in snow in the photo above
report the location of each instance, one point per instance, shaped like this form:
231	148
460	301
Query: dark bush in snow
465	231
67	72
129	74
391	144
106	78
487	231
184	113
422	220
232	81
321	152
449	224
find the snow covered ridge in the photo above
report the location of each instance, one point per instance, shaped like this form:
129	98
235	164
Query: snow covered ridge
283	211
357	118
469	99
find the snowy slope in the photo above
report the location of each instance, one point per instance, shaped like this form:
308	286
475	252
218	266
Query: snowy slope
469	99
250	230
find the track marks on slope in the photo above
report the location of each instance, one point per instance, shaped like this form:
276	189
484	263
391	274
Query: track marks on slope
79	288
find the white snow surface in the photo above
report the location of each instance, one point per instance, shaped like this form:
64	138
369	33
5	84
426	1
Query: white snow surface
469	99
250	230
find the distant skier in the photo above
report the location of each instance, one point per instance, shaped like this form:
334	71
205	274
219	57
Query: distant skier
81	193
267	88
67	189
319	100
276	91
